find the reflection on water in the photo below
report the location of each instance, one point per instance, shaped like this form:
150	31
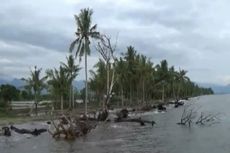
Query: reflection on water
165	137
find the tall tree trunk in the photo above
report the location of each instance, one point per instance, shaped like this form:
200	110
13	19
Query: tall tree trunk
36	103
107	87
110	89
178	92
163	94
143	92
86	85
103	102
122	97
174	95
70	97
73	101
130	94
107	92
62	103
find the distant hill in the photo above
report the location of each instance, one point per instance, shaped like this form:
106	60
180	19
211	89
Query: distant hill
218	89
2	81
79	84
20	84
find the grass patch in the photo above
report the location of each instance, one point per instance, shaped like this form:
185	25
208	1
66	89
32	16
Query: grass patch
4	113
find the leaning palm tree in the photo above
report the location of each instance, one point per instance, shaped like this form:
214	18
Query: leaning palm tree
85	32
72	70
36	84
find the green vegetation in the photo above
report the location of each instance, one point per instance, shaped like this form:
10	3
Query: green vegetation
125	80
7	94
10	93
35	84
72	70
138	81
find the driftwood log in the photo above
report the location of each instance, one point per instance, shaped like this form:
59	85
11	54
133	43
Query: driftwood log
161	107
34	132
178	103
71	128
6	131
136	120
122	116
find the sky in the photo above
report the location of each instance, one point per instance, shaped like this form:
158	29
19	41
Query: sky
191	34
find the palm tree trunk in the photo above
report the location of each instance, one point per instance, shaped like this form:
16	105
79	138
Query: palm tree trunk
143	92
122	97
163	94
73	97
178	92
130	95
174	95
70	97
61	103
36	104
86	85
103	103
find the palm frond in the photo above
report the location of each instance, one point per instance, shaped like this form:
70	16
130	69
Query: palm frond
78	48
72	45
93	28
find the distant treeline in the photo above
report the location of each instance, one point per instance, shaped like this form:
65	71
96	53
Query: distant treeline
139	80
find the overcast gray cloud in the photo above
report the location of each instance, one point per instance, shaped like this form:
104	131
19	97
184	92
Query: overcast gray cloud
191	34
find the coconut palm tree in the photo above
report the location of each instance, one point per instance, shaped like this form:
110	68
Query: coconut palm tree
121	69
163	75
130	57
36	83
98	79
59	83
181	78
172	81
85	32
72	70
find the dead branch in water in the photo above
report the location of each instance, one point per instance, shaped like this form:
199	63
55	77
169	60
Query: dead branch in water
71	128
189	116
208	119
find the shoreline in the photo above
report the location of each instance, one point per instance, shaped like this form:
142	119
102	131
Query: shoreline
25	119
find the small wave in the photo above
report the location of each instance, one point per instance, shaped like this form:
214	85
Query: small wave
116	126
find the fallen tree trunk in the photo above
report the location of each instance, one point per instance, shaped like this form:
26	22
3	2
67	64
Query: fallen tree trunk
136	120
34	132
5	131
122	116
178	103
